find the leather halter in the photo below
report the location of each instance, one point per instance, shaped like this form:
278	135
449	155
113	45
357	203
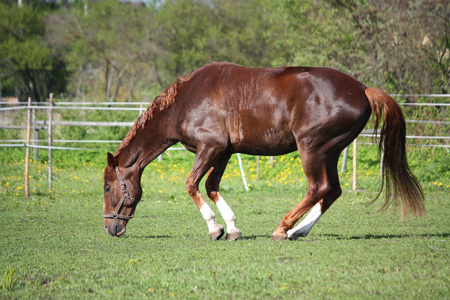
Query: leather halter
125	195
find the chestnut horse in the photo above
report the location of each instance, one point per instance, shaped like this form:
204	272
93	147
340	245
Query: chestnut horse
223	108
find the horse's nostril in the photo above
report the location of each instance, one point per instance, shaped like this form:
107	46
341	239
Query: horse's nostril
120	230
108	230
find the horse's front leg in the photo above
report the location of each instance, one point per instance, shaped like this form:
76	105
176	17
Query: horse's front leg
212	187
233	233
216	231
202	163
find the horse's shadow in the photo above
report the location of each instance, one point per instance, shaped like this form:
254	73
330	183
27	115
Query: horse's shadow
328	235
249	237
384	236
148	237
254	237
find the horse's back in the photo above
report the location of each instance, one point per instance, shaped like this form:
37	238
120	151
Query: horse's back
241	87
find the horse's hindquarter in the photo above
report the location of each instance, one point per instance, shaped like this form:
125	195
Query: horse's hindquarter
334	111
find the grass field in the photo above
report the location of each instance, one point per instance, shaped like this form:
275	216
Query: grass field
53	244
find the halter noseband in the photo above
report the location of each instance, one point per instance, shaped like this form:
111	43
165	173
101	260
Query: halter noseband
125	195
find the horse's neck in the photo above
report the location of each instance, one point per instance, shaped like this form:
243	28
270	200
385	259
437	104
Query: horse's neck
146	145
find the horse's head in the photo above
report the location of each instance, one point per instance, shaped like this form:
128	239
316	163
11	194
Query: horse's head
122	192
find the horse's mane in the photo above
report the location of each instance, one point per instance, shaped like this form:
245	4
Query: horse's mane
160	103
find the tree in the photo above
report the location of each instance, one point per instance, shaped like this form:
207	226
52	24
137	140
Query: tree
197	32
317	33
407	43
116	50
401	46
108	49
27	63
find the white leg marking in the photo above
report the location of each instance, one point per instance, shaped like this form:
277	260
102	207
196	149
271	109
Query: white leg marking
209	217
307	224
227	215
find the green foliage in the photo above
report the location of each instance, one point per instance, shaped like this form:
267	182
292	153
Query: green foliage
402	41
109	48
431	167
27	62
116	50
319	31
196	33
8	280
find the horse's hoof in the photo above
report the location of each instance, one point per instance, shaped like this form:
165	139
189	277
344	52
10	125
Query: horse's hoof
234	235
217	234
293	237
279	237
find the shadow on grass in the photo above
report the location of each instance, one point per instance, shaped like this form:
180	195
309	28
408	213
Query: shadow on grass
385	236
250	237
254	237
149	237
304	239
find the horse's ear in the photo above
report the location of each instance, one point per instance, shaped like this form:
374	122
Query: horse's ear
112	162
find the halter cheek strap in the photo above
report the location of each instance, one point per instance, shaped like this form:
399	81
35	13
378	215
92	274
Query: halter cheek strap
125	195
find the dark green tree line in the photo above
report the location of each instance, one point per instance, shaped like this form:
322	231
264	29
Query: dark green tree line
118	51
28	65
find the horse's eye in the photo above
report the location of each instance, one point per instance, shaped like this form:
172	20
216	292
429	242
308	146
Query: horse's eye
107	188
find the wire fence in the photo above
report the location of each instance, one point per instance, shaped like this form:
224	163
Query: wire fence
38	125
35	126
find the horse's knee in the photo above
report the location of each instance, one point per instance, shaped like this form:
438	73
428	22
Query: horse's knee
191	188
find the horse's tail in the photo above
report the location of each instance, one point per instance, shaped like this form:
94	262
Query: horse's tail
397	177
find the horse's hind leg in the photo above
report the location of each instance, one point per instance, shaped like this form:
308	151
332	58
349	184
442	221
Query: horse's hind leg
319	209
323	187
212	188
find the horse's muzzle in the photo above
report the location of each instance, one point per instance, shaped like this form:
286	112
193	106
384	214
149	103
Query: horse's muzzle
114	228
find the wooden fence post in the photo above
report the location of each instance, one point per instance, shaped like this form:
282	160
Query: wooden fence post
50	132
27	151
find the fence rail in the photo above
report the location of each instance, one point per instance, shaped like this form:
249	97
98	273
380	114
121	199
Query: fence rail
43	124
33	125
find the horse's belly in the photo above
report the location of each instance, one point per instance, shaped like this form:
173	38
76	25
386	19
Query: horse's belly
261	132
270	142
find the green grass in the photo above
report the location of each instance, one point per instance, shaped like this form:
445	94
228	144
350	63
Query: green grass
57	246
